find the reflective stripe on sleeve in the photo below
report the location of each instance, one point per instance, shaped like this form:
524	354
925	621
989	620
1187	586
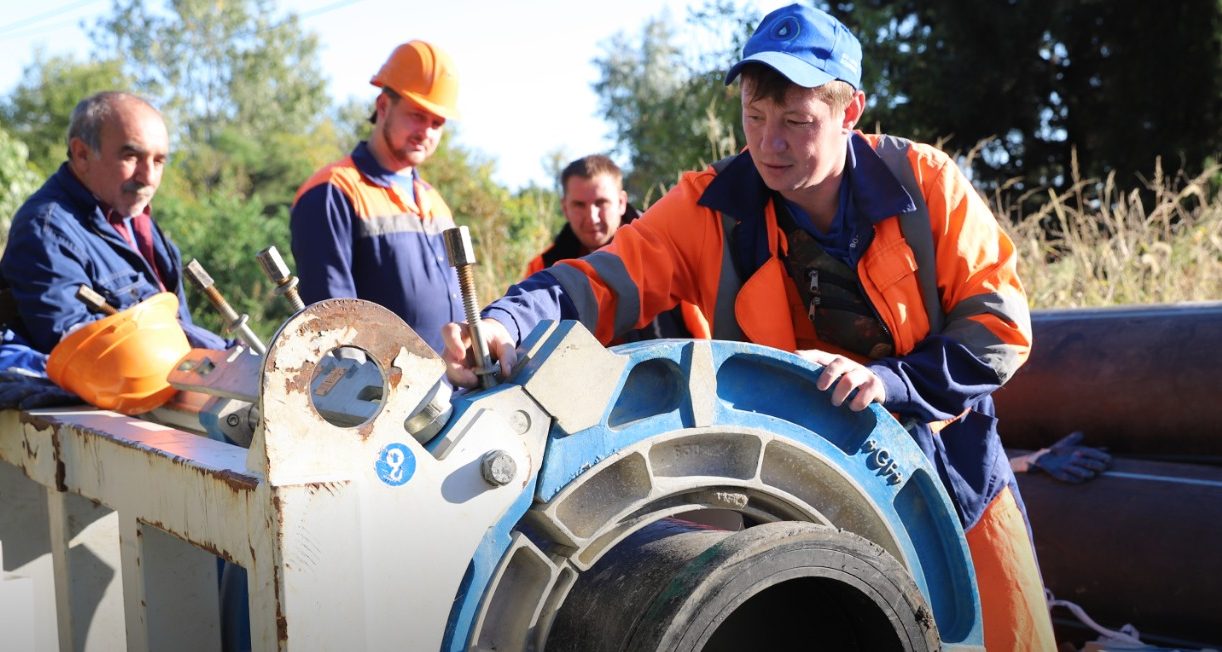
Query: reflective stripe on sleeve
1004	357
372	227
916	227
577	286
617	279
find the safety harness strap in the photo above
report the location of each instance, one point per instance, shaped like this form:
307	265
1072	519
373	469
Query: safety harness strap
916	227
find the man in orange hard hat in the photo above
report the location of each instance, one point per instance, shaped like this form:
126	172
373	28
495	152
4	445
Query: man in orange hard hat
368	226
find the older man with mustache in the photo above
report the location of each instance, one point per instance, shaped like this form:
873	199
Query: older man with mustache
90	224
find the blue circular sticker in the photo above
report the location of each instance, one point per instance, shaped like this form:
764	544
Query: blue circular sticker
396	464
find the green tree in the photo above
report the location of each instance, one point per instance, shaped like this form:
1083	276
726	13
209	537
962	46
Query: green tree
506	229
1027	83
1142	80
240	85
39	108
225	233
241	89
665	98
351	120
250	121
17	180
1038	79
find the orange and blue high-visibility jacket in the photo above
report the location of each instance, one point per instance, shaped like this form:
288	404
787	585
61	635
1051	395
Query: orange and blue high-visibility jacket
682	321
930	260
713	240
356	232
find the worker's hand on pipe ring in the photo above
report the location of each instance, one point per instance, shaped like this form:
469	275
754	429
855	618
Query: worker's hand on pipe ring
843	375
457	340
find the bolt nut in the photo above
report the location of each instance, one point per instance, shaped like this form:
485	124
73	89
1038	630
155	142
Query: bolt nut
498	468
273	265
458	246
233	420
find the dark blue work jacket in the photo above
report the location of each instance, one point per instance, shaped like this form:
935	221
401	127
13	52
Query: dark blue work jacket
59	240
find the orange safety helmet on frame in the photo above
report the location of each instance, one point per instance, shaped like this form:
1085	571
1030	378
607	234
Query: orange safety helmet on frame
424	74
121	362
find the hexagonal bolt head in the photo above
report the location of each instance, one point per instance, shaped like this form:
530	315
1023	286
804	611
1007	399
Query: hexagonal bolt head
458	245
498	468
273	265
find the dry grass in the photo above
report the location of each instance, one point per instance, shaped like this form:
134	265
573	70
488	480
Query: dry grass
1096	245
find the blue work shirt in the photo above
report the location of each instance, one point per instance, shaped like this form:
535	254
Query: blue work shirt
59	240
939	379
357	232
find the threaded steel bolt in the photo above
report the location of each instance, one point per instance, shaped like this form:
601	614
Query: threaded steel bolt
275	268
94	300
462	256
234	323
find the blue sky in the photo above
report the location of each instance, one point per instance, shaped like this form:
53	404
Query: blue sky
526	66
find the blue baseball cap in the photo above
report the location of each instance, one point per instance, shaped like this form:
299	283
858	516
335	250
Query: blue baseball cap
807	45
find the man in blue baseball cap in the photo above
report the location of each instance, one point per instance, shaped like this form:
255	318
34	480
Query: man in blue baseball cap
870	255
808	46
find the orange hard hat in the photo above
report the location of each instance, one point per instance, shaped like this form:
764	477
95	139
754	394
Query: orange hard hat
121	362
424	74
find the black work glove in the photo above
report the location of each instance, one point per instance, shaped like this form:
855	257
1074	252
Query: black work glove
25	392
1068	461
